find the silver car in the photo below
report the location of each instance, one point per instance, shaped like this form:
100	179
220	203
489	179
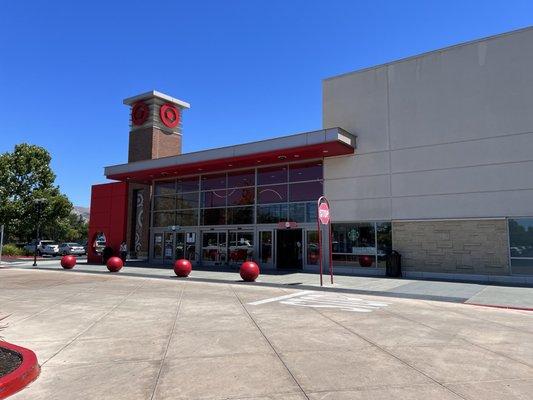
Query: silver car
71	248
51	249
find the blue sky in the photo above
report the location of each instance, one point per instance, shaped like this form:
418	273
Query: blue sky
250	69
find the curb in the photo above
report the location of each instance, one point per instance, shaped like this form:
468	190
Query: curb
501	307
21	377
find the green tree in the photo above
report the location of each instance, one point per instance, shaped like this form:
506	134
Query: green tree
25	175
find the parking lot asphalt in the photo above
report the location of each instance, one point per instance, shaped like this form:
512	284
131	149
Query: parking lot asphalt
114	336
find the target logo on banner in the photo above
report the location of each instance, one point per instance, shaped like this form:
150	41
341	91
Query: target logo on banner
139	113
170	115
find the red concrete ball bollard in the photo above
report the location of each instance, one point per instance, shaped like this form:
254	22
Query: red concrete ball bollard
182	268
249	271
114	264
68	262
365	261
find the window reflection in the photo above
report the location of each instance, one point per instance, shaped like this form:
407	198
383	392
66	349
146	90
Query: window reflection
305	172
272	194
354	244
270	175
241	178
215	181
521	245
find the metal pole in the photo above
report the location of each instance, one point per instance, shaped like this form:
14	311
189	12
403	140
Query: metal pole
1	241
39	203
330	253
36	243
320	252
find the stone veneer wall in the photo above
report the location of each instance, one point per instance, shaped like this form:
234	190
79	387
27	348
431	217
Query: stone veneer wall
453	246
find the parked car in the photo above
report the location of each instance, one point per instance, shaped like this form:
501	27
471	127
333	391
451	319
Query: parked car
75	249
51	249
30	247
99	246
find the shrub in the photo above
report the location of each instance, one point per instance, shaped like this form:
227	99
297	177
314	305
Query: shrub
12	250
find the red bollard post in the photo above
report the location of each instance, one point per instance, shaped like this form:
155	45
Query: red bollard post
182	268
114	264
68	262
249	271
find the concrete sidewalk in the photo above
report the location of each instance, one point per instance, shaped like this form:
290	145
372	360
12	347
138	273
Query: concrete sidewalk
103	336
473	293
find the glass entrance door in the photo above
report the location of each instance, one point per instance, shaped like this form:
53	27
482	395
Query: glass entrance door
214	248
168	247
241	246
289	248
266	248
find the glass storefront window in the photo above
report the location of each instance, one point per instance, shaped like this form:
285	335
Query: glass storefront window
311	171
384	238
297	212
241	178
187	217
214	216
312	248
215	181
272	194
354	244
521	245
311	212
270	175
240	215
271	214
187	200
241	196
164	219
307	191
164	188
214	198
164	203
190	184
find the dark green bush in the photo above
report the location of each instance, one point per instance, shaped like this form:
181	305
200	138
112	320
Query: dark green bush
12	250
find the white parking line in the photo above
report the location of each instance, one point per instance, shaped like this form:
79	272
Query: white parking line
309	298
273	299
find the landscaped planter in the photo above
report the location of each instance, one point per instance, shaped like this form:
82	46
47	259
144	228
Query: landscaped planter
18	368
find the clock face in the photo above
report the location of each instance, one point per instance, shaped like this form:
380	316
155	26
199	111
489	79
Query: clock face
170	115
139	113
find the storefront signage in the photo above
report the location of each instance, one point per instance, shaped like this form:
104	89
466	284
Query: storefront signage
169	114
323	213
287	225
139	113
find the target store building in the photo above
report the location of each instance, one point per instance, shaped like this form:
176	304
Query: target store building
431	156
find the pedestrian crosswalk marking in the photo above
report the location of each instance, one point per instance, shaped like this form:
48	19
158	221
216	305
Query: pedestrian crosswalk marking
314	299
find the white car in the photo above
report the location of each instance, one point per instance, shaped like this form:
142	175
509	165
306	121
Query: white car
51	249
41	244
72	248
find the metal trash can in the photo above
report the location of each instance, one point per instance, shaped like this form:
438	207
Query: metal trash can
394	265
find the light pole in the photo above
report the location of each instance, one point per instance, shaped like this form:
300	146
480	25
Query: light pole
39	205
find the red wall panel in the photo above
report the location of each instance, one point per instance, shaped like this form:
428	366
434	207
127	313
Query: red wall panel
109	207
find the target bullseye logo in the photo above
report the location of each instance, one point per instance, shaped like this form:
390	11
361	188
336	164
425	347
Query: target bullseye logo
169	115
323	213
139	113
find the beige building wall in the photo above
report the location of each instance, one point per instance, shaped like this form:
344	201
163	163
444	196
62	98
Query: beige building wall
453	246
